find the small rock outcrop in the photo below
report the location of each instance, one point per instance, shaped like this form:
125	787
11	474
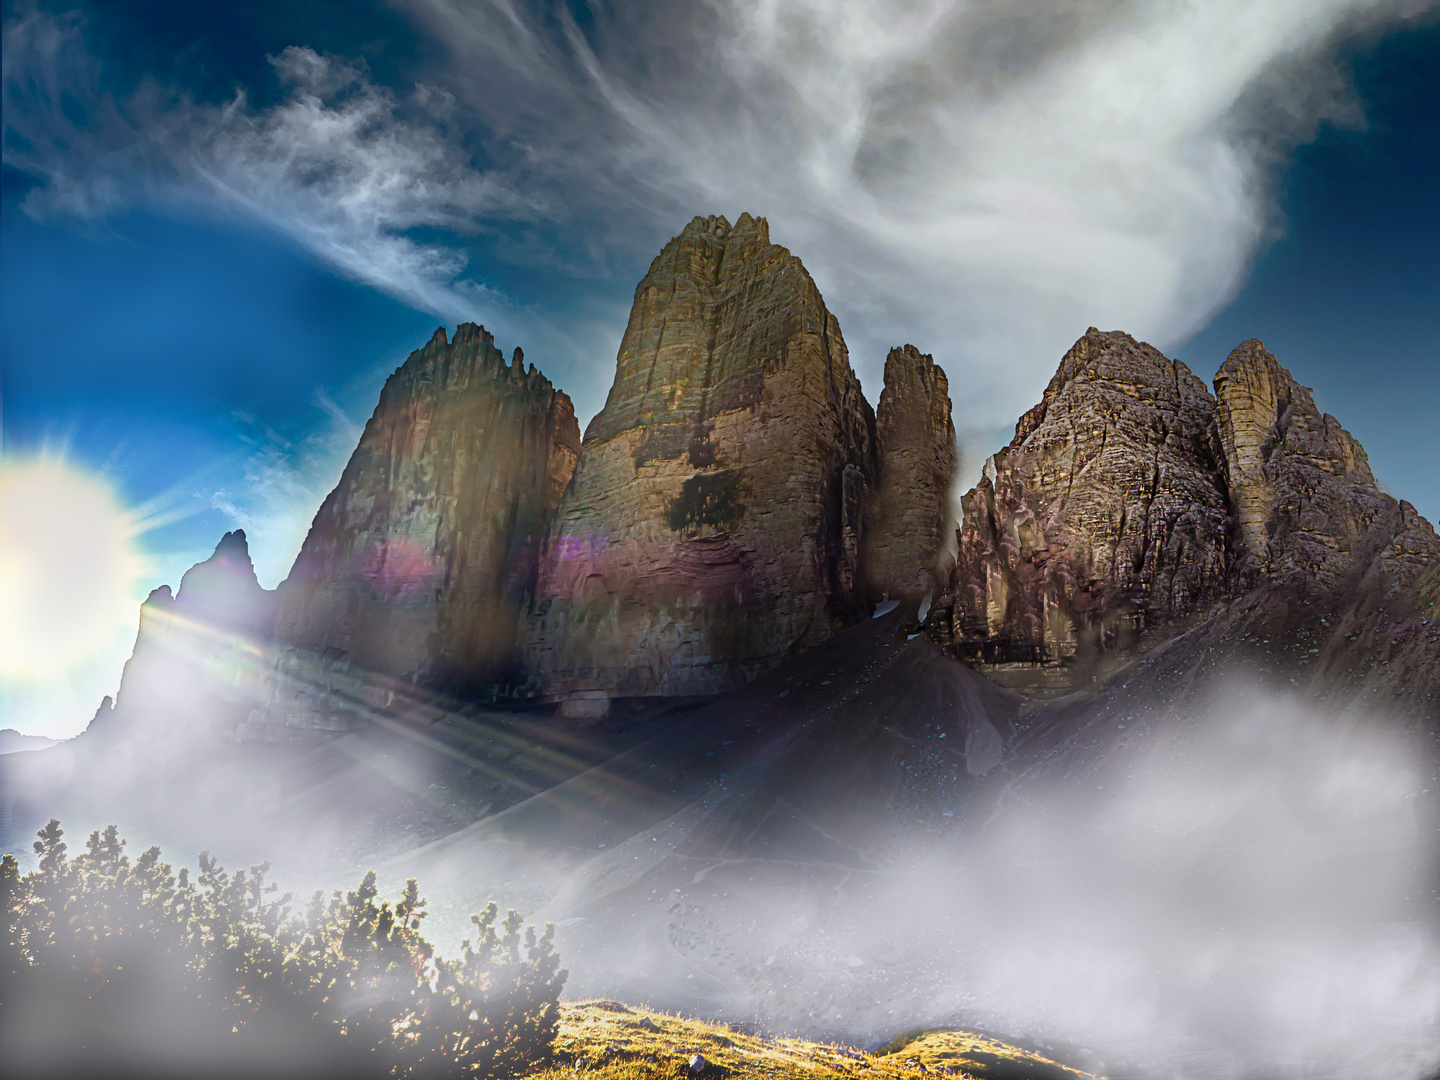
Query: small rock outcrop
907	515
420	562
1105	515
197	653
714	524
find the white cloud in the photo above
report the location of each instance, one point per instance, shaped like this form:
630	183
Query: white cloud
983	178
346	169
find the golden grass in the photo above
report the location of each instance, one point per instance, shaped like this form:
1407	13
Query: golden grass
610	1041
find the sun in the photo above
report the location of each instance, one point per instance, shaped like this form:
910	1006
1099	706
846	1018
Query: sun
68	564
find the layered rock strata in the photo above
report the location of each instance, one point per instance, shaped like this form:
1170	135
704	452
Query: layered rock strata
419	564
907	516
714	524
1105	515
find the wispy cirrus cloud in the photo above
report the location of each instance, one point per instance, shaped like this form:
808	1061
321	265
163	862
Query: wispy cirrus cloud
349	170
982	178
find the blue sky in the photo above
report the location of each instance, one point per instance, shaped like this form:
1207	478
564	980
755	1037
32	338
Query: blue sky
222	226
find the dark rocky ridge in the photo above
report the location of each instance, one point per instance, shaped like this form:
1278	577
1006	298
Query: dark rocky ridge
1132	504
195	652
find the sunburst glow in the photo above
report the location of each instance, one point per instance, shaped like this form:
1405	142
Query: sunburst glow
68	564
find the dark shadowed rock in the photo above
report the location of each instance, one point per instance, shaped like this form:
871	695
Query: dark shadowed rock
197	653
12	741
419	563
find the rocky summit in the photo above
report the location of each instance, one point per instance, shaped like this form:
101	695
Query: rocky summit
1105	515
1132	502
196	651
1308	513
714	523
420	562
737	503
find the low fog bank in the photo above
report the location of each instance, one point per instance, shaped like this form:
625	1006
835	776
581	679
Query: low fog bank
1244	893
1241	889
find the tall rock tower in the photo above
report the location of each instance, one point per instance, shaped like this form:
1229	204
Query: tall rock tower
420	562
906	519
714	524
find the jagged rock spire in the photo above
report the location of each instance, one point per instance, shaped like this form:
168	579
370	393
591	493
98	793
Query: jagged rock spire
1105	514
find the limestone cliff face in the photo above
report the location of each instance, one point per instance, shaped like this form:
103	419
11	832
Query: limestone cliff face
1318	544
420	561
906	516
1309	514
1131	499
714	524
1105	515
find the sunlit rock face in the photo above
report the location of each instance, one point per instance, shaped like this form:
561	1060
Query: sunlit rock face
198	653
906	517
1318	543
714	524
1104	516
419	563
1308	511
1131	503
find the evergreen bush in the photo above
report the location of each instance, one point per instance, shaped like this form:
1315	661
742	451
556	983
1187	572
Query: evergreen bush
147	970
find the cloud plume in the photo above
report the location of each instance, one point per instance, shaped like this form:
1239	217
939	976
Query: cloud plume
984	179
346	169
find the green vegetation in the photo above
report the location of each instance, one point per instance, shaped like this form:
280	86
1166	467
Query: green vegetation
901	1041
112	967
226	965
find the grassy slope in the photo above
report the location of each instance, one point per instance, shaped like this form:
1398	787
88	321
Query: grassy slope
616	1041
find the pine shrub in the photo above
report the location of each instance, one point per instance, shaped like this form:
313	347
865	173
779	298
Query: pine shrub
148	970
